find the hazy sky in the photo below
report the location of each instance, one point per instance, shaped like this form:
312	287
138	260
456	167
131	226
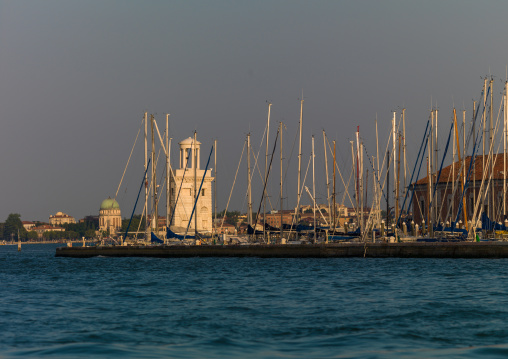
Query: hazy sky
77	76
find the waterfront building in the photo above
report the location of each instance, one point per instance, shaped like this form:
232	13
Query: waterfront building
61	218
184	178
110	218
446	205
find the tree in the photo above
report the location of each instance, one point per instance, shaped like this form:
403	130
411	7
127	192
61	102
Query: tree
134	224
72	235
32	235
12	225
231	217
89	233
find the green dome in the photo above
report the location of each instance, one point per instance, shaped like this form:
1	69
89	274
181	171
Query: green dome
109	203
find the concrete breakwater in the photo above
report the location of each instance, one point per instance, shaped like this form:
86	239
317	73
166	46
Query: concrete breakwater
335	250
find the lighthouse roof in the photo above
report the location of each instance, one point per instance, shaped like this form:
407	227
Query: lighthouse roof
189	141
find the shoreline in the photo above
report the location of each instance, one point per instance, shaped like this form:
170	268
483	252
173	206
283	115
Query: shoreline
39	242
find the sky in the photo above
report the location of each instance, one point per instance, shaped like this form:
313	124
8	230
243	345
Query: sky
77	76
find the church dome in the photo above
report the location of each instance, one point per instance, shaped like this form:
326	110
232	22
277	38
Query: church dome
109	203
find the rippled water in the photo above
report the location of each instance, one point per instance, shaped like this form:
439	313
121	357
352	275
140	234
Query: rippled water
250	307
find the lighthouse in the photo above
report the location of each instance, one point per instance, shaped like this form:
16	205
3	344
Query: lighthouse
186	181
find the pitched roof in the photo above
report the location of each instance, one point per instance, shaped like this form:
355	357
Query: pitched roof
476	174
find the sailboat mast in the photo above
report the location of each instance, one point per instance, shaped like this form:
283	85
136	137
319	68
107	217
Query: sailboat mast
168	172
249	193
429	174
314	188
297	214
397	187
436	167
281	230
430	159
464	149
436	143
215	180
360	159
334	209
505	134
473	156
327	179
491	146
365	183
453	168
388	190
154	180
429	189
195	163
266	169
378	186
484	125
146	179
404	150
374	200
394	153
358	182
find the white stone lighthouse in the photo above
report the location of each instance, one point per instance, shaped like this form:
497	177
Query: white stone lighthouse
186	199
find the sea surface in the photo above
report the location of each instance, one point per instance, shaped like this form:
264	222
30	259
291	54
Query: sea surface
250	307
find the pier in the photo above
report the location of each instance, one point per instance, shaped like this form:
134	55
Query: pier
335	250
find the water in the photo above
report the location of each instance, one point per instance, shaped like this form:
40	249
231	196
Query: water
250	307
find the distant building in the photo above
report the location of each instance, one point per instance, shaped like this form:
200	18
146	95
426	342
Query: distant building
28	225
110	217
46	228
274	219
61	218
224	228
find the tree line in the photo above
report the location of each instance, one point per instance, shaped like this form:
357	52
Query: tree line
12	227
